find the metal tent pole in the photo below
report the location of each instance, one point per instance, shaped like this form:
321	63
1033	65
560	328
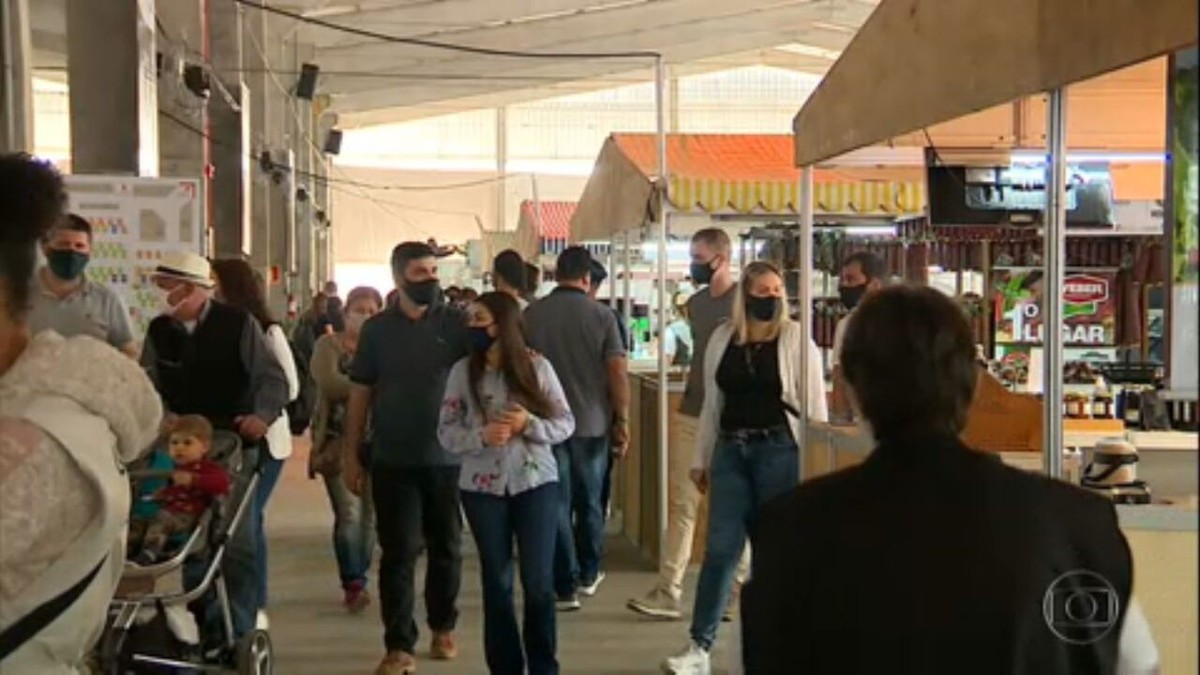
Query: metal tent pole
1054	257
804	298
664	418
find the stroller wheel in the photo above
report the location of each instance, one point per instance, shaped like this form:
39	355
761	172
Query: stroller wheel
254	655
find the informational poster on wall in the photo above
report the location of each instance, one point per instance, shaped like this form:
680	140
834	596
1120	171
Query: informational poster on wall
1089	308
134	222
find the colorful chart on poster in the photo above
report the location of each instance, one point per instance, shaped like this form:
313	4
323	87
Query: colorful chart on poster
1089	308
134	222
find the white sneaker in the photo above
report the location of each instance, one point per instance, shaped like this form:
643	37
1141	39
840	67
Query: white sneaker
261	622
589	591
693	660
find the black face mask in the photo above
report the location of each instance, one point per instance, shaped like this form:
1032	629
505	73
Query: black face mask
422	293
762	309
851	295
702	273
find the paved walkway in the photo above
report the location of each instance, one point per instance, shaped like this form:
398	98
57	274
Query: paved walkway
314	636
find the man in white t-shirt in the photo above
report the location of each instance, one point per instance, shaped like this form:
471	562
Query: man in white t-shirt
863	273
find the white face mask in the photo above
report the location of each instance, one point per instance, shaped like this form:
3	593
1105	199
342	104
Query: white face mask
169	308
355	322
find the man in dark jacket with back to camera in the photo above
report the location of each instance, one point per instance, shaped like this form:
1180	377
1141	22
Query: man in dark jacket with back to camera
931	557
399	374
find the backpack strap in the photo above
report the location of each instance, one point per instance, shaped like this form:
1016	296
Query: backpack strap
32	623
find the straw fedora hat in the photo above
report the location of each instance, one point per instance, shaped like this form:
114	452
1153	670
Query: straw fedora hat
185	266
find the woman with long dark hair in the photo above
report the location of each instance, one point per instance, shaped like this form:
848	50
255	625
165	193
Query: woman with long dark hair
503	411
238	285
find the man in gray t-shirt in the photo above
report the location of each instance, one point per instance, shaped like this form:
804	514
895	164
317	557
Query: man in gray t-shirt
708	308
580	338
66	302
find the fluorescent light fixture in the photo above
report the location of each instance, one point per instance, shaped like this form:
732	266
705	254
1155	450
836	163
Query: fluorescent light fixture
1083	157
864	230
810	50
834	27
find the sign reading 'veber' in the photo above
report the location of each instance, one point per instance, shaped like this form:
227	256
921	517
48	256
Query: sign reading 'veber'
1089	312
1082	289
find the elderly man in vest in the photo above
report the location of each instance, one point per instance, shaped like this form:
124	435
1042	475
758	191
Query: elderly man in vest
207	358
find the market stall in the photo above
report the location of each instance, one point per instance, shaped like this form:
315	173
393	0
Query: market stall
963	72
737	182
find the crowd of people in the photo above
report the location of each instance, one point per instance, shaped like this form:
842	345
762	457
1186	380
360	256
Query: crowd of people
430	404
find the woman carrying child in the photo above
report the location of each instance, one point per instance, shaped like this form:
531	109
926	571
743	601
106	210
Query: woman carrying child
503	410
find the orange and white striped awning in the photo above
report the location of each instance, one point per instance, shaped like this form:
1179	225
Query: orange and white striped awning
732	174
865	198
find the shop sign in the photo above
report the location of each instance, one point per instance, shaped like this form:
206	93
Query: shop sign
1089	312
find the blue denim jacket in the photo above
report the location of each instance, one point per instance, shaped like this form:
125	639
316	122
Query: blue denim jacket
527	461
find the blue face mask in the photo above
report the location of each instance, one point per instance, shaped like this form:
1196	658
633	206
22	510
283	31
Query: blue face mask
478	339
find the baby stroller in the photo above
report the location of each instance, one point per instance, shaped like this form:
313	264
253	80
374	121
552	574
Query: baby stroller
142	634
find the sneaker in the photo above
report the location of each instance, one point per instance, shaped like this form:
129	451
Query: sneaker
658	603
442	647
568	603
262	621
589	590
693	660
397	663
731	607
355	598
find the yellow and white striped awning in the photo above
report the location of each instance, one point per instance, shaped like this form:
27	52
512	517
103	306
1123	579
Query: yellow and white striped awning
865	198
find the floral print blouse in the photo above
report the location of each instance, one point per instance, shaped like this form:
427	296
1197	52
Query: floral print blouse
527	461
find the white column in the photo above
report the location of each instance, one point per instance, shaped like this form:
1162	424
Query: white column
664	409
804	298
1054	256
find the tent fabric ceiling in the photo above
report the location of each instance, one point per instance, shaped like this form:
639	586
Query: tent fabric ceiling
730	174
919	62
364	75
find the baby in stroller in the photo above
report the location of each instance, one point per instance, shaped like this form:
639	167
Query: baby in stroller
195	482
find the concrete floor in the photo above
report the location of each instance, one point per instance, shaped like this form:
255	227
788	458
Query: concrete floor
313	635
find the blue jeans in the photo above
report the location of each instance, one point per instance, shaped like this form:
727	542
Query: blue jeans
748	470
580	543
271	469
239	567
353	531
530	517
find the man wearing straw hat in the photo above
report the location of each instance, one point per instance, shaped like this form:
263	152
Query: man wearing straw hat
208	358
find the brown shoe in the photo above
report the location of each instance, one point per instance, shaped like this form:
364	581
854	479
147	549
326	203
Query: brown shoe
443	648
397	663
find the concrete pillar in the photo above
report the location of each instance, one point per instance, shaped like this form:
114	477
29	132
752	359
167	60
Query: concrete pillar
16	77
302	139
112	71
183	150
229	127
263	57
